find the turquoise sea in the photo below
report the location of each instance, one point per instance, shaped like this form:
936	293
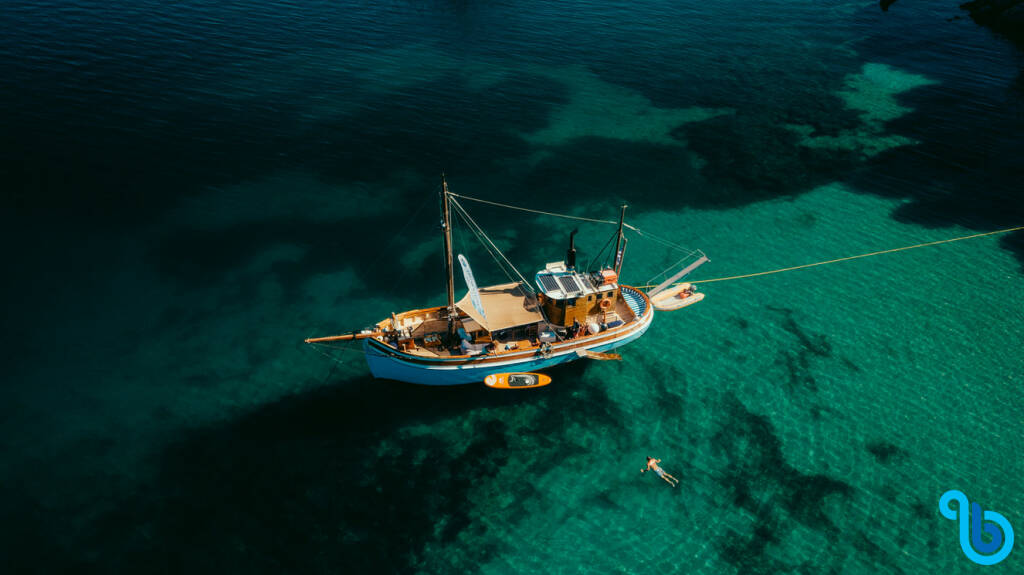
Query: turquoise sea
190	189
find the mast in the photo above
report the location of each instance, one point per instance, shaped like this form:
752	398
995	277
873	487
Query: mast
449	277
619	247
570	256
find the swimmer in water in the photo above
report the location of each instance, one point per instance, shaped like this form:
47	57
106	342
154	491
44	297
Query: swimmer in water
652	464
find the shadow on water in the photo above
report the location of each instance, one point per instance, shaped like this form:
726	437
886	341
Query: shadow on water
751	157
759	480
798	361
886	452
779	502
335	479
124	162
965	168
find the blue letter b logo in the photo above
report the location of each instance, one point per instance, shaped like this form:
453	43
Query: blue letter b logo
972	525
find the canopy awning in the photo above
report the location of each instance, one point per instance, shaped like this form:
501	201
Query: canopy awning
505	306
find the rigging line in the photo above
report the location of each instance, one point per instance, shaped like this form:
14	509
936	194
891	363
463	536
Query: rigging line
489	251
475	225
571	217
606	244
660	240
462	217
344	349
640	232
486	247
666	270
878	253
405	269
412	218
484	239
330	372
580	218
329	356
459	233
511	207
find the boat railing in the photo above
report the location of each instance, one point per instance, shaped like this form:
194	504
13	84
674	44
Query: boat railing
635	300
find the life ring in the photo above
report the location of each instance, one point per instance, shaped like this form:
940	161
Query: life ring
606	304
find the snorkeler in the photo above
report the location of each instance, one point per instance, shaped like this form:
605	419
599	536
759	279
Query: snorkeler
652	463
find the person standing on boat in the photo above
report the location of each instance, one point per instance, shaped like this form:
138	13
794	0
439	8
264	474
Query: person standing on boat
576	328
652	464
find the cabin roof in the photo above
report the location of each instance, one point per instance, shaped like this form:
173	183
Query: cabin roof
556	282
506	305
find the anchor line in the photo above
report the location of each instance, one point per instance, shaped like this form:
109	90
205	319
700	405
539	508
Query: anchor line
848	258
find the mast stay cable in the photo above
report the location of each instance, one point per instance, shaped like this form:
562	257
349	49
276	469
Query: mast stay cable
600	253
642	233
487	248
484	239
522	209
673	245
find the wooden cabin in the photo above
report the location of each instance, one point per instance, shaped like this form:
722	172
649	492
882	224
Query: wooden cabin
568	296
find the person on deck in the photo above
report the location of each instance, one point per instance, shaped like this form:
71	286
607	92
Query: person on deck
652	463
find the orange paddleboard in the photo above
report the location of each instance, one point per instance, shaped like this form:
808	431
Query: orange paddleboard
516	380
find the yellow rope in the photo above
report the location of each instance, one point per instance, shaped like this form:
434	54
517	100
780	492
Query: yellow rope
848	258
744	275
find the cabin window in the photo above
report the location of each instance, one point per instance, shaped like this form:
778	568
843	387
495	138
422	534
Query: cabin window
590	298
571	301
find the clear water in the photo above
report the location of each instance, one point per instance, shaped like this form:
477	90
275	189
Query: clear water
192	189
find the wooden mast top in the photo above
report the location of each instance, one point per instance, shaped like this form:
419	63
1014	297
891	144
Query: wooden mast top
447	228
619	247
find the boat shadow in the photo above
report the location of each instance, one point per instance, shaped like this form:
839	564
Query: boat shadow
359	475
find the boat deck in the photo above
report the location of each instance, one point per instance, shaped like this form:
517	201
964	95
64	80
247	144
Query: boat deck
427	327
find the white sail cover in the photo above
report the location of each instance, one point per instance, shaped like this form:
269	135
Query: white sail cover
474	293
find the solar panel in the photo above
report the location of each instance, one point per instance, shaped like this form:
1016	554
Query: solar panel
549	283
569	284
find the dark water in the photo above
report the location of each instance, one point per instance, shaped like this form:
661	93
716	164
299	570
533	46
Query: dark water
192	189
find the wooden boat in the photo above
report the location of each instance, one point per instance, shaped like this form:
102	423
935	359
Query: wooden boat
568	313
677	297
516	380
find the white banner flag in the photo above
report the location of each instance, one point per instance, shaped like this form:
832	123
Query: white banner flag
474	293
